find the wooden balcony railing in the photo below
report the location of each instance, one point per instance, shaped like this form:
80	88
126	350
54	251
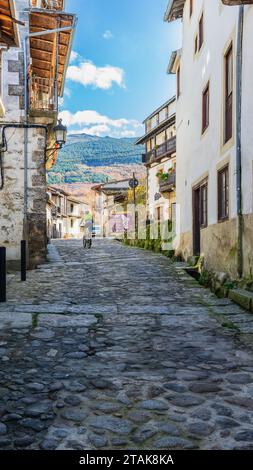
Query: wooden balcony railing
168	184
121	197
48	4
166	149
43	95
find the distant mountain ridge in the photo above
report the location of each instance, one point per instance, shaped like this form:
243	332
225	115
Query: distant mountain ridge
83	154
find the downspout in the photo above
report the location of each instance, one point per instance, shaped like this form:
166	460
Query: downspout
239	59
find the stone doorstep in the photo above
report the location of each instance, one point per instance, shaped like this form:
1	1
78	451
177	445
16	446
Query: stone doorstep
242	297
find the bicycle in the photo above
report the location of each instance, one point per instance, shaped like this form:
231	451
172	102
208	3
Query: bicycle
87	239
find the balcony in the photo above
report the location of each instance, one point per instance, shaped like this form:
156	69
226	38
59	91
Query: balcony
43	94
120	198
55	5
169	184
164	150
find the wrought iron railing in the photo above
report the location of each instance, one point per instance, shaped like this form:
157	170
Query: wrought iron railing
168	184
43	94
167	148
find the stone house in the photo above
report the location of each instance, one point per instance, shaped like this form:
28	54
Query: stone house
34	61
160	161
214	70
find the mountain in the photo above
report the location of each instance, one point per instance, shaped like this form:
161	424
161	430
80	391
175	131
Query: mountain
92	159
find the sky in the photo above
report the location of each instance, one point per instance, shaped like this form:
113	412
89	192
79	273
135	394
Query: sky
117	72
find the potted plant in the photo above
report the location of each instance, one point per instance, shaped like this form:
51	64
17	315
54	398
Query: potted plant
164	176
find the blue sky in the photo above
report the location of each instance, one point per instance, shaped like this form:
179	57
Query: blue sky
117	75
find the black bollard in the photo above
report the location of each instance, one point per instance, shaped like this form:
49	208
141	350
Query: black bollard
23	260
2	274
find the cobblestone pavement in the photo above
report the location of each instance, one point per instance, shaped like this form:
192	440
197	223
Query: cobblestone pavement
117	348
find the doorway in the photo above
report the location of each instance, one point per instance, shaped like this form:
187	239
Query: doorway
196	222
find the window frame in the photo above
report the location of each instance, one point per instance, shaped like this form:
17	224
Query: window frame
223	194
190	8
178	81
206	108
203	204
228	93
201	32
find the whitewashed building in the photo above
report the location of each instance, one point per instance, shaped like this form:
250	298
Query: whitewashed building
34	59
64	214
160	161
214	72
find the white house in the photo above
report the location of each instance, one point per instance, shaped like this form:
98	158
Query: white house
160	161
64	214
214	72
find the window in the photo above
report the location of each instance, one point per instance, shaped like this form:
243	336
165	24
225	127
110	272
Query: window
178	82
203	205
148	125
228	94
196	45
158	214
71	208
201	31
205	108
223	194
72	223
191	7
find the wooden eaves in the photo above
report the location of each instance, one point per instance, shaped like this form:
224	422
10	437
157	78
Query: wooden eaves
174	10
43	49
8	24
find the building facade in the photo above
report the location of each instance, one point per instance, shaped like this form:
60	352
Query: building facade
160	161
214	181
33	67
110	208
64	214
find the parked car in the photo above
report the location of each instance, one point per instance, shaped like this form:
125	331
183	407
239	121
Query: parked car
96	231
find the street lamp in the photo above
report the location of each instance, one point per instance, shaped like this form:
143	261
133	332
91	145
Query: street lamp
60	132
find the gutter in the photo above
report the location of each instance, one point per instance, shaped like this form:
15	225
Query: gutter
239	59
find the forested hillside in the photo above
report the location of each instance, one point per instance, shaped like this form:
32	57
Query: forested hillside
77	160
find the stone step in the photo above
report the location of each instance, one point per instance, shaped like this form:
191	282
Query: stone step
242	297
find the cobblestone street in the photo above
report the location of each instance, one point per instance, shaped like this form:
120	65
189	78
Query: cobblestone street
117	348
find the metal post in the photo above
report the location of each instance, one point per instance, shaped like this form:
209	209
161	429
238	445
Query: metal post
135	213
23	260
2	274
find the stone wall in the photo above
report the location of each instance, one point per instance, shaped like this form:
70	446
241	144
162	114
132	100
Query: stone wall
184	247
219	247
248	245
13	225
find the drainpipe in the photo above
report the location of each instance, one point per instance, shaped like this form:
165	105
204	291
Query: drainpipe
239	59
26	99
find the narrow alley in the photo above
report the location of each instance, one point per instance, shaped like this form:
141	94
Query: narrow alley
115	347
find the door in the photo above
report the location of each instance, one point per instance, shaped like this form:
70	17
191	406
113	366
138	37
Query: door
196	222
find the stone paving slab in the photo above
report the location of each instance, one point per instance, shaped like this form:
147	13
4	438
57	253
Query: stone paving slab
86	364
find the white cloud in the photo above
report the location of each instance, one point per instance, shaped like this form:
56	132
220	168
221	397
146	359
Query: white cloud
67	92
108	34
88	73
93	123
73	56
